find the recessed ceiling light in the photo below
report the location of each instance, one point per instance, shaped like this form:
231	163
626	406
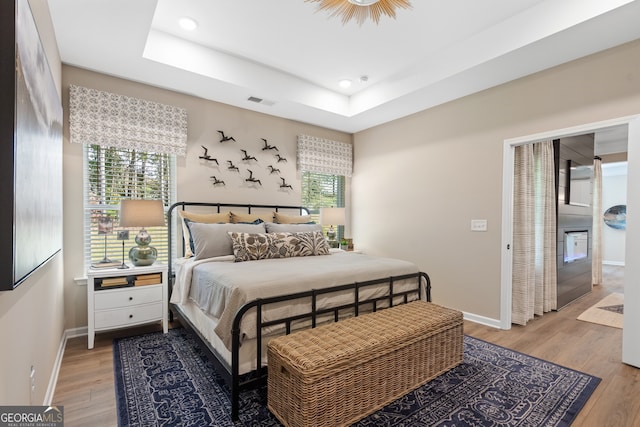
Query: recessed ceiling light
188	23
345	83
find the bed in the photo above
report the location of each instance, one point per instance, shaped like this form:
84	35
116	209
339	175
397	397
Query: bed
249	273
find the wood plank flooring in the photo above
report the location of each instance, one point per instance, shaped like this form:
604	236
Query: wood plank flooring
86	387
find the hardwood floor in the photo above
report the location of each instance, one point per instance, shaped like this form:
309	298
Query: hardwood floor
86	389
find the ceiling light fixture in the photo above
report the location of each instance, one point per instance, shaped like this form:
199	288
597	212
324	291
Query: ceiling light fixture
188	24
362	9
345	83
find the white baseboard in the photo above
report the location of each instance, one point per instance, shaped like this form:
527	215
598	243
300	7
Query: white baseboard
620	263
53	380
76	332
494	323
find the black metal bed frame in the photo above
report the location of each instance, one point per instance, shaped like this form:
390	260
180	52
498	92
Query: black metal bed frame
231	374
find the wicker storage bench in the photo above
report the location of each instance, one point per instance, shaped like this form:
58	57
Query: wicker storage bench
336	374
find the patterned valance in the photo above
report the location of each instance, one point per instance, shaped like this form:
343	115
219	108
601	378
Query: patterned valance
111	120
324	156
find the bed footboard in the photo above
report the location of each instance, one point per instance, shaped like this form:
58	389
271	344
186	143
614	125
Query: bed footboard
392	297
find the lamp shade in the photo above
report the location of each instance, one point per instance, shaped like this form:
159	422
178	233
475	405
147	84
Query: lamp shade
332	216
141	213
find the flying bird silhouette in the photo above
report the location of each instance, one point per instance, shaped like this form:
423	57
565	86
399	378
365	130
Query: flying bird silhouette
251	178
273	170
267	146
225	138
216	181
248	157
232	167
207	157
284	184
280	158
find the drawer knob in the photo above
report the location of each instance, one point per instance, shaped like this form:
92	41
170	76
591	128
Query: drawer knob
131	316
130	298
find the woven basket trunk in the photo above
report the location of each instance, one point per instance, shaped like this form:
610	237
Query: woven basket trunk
337	374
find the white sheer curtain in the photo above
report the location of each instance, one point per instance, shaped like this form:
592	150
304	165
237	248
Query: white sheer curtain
534	281
596	255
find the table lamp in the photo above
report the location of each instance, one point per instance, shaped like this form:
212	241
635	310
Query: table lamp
331	217
123	235
105	226
142	213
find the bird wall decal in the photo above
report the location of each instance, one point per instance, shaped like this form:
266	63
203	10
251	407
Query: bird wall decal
247	157
267	146
251	178
207	157
224	138
284	184
273	170
232	167
216	181
281	159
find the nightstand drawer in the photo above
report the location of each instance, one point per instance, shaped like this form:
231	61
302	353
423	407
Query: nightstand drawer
105	319
126	297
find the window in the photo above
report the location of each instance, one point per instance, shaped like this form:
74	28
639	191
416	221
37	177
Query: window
323	191
113	174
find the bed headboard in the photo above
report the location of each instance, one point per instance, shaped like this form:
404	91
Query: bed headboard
212	207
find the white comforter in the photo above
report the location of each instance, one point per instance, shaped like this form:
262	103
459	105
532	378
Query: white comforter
229	285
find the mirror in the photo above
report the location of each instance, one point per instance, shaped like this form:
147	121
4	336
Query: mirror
579	179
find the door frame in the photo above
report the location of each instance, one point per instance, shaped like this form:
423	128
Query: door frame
509	145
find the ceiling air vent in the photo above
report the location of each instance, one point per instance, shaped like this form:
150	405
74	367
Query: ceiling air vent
260	101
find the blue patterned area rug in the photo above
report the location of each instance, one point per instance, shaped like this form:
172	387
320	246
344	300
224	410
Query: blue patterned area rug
167	380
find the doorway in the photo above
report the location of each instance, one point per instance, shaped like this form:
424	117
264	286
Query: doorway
631	349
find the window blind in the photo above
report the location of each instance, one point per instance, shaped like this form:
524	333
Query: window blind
323	191
112	120
324	156
112	174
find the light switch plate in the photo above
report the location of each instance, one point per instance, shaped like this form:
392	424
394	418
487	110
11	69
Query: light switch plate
478	225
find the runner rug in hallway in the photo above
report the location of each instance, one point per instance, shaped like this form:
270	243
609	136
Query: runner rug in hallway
166	380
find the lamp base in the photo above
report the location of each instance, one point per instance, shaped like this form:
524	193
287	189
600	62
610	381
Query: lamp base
331	238
333	243
142	256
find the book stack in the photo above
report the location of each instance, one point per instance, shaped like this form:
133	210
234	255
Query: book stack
114	281
148	279
106	264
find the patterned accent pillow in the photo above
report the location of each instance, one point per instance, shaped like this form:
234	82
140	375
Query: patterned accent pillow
256	246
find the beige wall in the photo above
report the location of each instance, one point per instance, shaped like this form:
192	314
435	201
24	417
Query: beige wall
205	118
419	181
32	315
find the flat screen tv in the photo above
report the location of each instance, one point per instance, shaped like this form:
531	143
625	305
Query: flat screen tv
30	149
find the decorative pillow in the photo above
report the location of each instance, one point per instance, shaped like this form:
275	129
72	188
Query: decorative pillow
256	246
291	228
250	218
213	218
212	240
291	219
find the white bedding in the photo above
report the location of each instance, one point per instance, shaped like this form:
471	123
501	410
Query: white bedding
223	285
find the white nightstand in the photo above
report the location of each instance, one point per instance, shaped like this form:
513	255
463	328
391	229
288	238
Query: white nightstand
120	298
